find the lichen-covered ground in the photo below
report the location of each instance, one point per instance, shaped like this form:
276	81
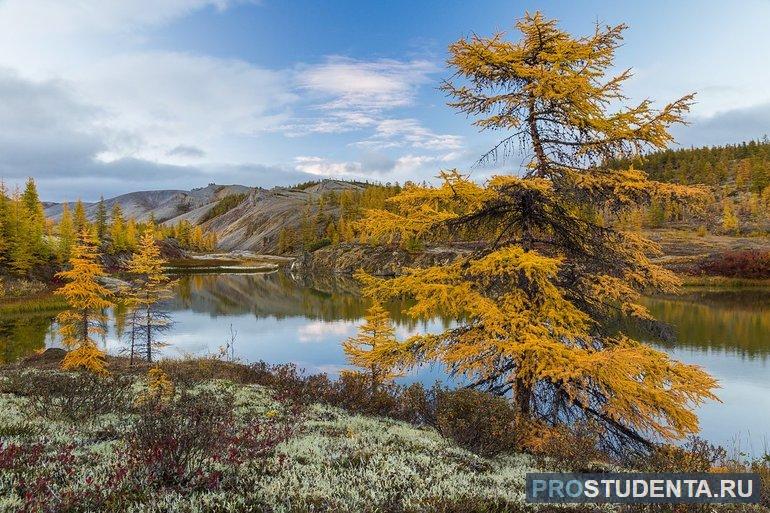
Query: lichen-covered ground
63	448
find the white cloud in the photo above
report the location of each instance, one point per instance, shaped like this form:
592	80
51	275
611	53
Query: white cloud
355	94
391	133
178	99
324	167
88	97
367	86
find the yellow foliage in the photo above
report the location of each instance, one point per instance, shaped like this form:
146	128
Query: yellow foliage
87	300
536	305
159	384
375	348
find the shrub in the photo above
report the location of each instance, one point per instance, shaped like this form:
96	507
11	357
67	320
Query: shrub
564	449
170	442
223	206
75	396
739	264
477	421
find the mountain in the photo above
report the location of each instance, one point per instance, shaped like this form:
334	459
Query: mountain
243	218
163	205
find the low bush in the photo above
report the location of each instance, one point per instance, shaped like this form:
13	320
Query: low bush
74	396
753	264
475	420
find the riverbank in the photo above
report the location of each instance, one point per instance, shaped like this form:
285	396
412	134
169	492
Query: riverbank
208	435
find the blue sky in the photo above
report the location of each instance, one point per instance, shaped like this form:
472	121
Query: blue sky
106	96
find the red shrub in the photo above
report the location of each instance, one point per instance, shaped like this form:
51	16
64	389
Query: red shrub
739	264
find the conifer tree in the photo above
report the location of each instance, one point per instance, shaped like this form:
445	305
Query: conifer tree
35	221
131	239
375	347
81	220
87	300
151	288
101	219
537	306
66	234
730	223
21	236
117	229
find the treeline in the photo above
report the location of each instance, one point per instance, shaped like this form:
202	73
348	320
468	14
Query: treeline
117	233
29	240
737	179
329	219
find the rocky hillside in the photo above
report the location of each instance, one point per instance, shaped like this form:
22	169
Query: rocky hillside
243	218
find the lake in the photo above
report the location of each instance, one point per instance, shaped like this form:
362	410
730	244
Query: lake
276	318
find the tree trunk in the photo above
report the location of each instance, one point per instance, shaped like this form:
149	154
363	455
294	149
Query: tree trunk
149	335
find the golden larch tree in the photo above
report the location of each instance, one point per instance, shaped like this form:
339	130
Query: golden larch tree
150	289
87	300
375	347
537	305
67	234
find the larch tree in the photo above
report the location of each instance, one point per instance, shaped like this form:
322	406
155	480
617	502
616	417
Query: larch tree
537	305
81	219
35	218
150	288
87	299
117	229
101	219
66	234
375	347
21	236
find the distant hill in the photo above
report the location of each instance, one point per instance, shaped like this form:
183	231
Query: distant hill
745	165
737	176
247	218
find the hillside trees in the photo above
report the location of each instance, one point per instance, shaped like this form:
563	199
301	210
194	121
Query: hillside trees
23	244
537	307
101	219
67	234
87	301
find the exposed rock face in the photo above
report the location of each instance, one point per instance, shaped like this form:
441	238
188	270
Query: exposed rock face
390	260
252	225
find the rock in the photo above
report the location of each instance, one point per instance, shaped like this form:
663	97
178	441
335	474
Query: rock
390	260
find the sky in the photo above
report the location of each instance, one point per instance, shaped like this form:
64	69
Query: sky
104	97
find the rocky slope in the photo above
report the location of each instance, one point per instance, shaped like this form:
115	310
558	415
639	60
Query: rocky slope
345	259
253	224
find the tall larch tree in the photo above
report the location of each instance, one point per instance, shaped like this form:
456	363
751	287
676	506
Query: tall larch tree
537	306
21	239
33	209
150	289
117	229
80	217
101	219
375	347
87	300
66	234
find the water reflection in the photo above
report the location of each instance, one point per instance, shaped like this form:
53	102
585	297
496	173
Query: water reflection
733	321
280	319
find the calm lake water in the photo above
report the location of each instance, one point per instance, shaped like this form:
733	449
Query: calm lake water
275	318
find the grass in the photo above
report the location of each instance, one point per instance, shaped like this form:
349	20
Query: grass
37	304
723	282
